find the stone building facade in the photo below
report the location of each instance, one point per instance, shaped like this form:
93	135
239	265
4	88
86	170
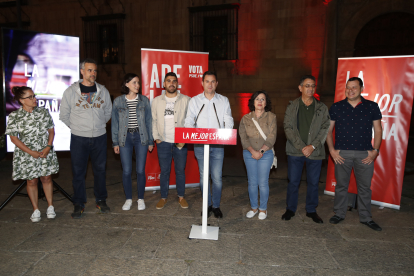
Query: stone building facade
278	40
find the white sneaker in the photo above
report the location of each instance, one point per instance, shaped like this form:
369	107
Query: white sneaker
127	205
141	205
35	216
251	213
50	212
262	215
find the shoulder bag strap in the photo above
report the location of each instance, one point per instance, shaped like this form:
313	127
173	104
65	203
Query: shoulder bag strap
259	129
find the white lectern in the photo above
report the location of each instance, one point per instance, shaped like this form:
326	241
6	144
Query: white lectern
206	136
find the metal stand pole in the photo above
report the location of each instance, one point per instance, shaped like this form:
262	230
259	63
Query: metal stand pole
13	194
205	232
40	194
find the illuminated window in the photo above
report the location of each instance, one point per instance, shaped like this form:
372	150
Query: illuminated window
214	29
104	38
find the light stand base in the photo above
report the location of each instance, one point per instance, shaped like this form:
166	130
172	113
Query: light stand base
196	233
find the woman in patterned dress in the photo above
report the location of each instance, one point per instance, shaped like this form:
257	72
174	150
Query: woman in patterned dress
132	128
31	129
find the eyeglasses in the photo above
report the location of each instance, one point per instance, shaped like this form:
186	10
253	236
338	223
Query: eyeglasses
31	97
261	100
309	86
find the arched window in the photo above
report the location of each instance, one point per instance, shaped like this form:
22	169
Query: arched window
389	34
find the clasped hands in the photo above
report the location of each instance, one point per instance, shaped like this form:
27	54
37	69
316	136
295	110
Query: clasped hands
41	154
307	151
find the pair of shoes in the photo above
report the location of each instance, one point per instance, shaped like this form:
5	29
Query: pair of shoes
35	216
335	219
127	205
161	203
288	215
77	213
262	215
251	213
217	213
209	211
314	217
50	212
183	203
371	224
141	204
102	207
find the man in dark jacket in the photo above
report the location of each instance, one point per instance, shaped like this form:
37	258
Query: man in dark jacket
306	125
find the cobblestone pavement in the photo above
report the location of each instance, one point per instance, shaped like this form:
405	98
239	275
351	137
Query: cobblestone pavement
155	242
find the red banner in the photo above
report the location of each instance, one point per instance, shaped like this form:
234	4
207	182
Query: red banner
189	67
388	81
211	136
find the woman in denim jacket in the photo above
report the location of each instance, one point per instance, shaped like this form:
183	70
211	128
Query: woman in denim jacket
132	128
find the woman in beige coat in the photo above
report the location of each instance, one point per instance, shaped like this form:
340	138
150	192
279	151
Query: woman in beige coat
258	135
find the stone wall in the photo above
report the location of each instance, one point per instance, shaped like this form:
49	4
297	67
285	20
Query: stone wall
279	40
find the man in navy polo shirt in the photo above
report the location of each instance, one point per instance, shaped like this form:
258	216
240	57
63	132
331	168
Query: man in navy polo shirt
353	119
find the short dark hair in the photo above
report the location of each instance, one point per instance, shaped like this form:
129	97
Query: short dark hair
305	77
361	83
128	77
210	73
268	106
87	60
170	74
18	92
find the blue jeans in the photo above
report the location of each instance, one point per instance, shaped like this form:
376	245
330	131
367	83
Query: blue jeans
313	172
132	141
81	148
166	152
258	178
216	171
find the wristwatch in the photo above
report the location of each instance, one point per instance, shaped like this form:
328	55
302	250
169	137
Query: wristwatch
50	146
376	150
313	147
262	151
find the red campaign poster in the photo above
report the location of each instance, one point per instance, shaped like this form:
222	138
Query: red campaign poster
388	81
189	67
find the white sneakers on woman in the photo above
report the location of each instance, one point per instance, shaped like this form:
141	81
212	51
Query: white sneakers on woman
127	205
251	213
35	216
50	212
263	215
141	205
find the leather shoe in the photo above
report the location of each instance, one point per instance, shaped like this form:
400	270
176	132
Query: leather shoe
335	219
288	215
371	224
217	213
314	217
209	211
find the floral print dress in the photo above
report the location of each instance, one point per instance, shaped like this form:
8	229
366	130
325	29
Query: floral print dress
32	130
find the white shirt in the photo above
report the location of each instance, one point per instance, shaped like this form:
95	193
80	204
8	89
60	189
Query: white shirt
169	124
207	117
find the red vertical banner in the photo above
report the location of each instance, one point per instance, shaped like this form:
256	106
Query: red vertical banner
388	81
189	67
